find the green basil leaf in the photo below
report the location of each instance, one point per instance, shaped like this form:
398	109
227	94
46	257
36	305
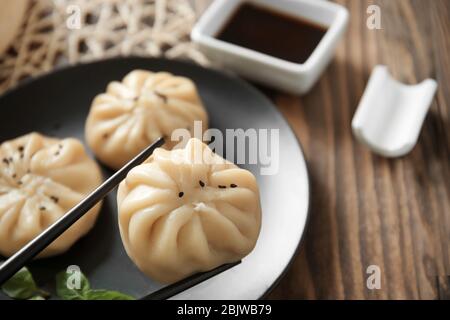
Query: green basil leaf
85	292
21	285
107	295
66	293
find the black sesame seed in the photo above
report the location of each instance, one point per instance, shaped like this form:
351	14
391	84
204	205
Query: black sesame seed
181	194
10	159
14	175
57	153
20	182
20	148
21	156
233	185
55	199
222	187
6	161
105	136
60	146
42	208
162	96
202	184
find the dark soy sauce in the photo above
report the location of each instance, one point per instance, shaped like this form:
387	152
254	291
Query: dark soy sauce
271	32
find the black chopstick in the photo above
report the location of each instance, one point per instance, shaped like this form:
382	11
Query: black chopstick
29	251
180	286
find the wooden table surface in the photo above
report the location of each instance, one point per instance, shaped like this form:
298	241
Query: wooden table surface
366	209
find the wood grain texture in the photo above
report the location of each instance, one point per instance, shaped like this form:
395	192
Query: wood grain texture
365	209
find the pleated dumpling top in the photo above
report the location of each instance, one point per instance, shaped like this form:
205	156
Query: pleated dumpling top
41	178
133	113
186	211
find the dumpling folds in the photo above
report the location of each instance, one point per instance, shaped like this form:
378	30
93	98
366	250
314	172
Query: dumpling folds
42	178
181	213
133	113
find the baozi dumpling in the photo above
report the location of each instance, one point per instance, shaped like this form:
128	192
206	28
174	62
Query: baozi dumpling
180	213
42	178
135	112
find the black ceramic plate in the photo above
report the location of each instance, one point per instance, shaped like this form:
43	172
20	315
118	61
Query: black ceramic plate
57	104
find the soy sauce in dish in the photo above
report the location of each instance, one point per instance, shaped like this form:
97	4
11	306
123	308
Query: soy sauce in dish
273	33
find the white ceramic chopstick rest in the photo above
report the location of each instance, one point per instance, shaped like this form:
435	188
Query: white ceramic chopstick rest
390	114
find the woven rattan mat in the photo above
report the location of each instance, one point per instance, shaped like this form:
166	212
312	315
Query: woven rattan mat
56	32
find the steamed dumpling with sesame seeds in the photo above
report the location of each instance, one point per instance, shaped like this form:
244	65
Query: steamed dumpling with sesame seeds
133	113
186	211
41	178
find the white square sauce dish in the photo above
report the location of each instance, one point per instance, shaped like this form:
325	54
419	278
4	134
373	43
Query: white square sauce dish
285	44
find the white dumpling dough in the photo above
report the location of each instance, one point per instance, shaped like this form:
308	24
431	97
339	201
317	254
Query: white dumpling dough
179	215
133	113
41	178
